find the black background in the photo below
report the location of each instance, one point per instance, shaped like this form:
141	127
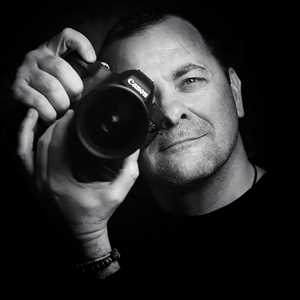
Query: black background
30	246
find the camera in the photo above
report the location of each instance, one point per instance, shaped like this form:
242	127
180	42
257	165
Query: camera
112	119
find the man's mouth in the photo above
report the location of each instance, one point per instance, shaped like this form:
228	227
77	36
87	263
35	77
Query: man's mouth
166	146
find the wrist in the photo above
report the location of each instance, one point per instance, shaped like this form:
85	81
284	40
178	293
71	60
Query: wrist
98	260
95	245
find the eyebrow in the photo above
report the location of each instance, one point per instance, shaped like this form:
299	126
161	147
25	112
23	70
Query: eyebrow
182	70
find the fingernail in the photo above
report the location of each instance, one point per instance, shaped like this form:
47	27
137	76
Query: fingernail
31	113
70	111
91	55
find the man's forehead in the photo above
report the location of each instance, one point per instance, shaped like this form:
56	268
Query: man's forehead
171	40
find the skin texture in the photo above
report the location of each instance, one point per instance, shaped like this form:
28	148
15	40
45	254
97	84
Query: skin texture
201	108
45	81
198	106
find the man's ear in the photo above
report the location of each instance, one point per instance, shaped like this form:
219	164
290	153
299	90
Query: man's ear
235	85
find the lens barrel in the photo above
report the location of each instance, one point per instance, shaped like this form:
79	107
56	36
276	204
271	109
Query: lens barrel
111	120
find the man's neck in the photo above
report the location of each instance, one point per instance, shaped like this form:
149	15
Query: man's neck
226	185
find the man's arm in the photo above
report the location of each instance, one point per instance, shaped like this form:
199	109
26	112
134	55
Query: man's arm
46	83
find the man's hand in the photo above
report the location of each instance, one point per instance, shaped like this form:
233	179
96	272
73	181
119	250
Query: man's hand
86	206
45	81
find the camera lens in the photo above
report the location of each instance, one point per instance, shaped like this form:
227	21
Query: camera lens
112	122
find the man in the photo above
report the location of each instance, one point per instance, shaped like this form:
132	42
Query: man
196	166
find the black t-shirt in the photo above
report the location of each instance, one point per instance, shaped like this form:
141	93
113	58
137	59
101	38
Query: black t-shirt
240	244
245	244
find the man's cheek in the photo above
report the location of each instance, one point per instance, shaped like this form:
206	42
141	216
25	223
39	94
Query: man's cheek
144	160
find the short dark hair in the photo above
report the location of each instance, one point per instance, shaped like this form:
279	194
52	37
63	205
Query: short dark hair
216	32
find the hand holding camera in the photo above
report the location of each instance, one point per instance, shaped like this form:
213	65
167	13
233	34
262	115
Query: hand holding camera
46	82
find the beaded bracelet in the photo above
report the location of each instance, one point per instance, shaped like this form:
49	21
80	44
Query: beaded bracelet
99	264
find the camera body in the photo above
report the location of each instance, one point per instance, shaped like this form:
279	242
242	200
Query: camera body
111	121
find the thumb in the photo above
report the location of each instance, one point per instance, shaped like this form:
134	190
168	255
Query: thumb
127	176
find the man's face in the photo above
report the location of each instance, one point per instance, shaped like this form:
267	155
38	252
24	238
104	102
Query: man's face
200	112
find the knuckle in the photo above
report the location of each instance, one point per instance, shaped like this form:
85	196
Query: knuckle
57	184
133	171
58	66
50	85
16	89
67	32
19	94
115	195
19	83
31	56
67	77
53	63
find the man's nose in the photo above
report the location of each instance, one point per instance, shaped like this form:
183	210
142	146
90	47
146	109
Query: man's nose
168	111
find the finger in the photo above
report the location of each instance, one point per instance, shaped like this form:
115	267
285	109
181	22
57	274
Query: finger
126	178
42	155
64	73
33	98
70	39
51	88
26	138
58	160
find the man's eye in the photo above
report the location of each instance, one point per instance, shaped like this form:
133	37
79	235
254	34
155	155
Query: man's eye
192	80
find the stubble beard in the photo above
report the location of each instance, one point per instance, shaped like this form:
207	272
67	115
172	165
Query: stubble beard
187	169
